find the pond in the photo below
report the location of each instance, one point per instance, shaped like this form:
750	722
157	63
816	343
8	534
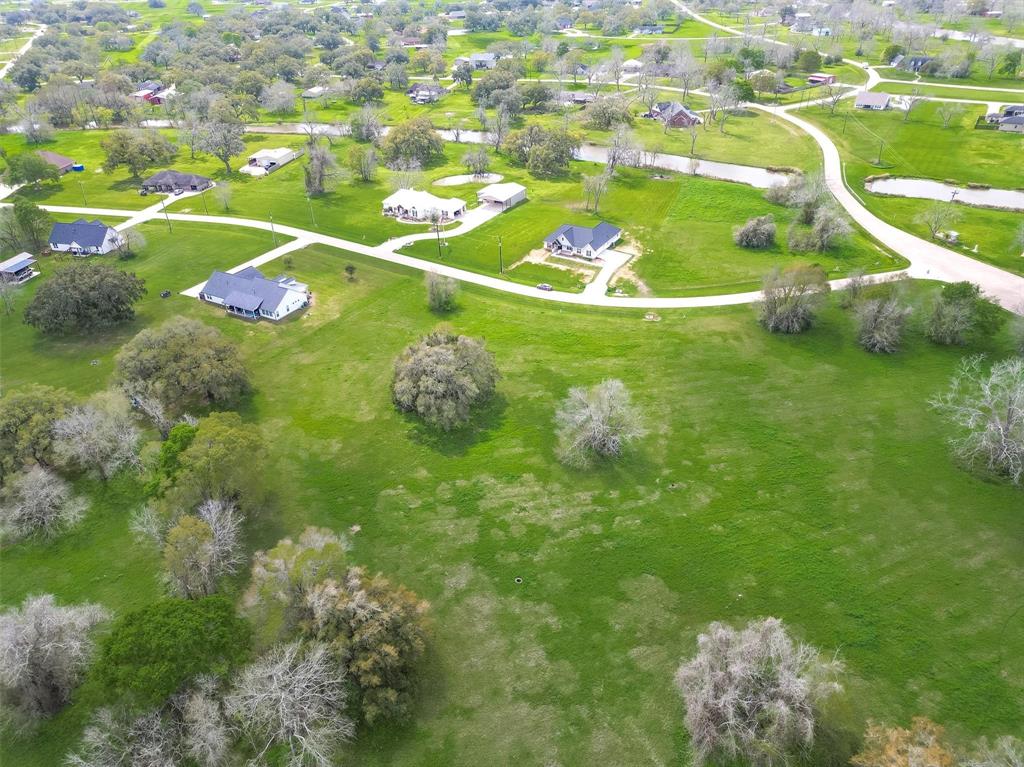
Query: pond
926	189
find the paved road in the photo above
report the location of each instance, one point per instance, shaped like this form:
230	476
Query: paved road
21	51
304	237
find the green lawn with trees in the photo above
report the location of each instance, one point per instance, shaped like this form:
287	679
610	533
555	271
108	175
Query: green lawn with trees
747	496
922	148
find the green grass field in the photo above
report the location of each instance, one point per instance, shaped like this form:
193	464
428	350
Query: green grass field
797	477
922	148
974	94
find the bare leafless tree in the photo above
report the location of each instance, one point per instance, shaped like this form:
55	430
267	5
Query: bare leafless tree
790	299
949	112
598	422
98	436
753	694
882	322
594	188
989	408
1007	751
117	739
44	649
294	696
937	217
37	501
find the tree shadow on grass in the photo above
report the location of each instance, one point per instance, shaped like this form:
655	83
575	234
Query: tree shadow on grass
483	422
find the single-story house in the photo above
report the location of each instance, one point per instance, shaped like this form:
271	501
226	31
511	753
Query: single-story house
867	100
897	60
563	22
249	294
821	32
632	65
650	29
1013	124
84	238
58	161
413	42
485	60
821	78
18	269
147	89
575	97
420	206
676	115
915	63
582	241
456	15
314	93
425	93
173	181
163	95
268	160
506	195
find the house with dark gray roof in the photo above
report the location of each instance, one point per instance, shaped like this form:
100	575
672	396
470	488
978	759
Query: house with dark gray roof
674	114
582	241
171	181
1013	124
249	294
84	238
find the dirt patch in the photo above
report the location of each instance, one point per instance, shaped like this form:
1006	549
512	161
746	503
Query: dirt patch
626	273
544	258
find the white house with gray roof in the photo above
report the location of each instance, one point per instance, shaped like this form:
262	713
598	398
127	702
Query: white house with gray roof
84	238
249	294
582	241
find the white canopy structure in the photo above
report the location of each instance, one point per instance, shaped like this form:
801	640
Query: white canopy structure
420	206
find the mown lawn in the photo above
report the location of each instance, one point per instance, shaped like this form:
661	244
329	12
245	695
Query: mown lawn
682	225
790	476
938	91
922	148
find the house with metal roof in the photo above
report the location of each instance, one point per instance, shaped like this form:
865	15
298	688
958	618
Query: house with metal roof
266	161
506	195
84	238
582	241
249	294
18	269
412	204
171	181
868	100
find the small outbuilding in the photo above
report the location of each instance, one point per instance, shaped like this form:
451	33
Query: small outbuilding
171	181
868	100
18	269
821	78
251	295
268	160
415	205
507	195
582	241
84	238
58	161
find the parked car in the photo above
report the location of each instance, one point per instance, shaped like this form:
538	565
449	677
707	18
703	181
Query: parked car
544	286
165	294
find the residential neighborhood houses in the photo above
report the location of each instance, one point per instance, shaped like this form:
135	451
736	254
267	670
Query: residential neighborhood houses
1011	118
84	238
414	205
582	241
18	269
251	295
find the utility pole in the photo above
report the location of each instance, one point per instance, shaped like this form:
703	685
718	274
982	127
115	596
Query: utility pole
312	217
273	232
501	263
82	187
205	206
167	217
881	145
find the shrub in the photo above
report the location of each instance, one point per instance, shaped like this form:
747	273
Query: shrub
39	502
881	323
596	422
442	377
441	292
758	232
790	299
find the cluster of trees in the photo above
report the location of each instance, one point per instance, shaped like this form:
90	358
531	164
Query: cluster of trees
756	696
821	224
984	403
